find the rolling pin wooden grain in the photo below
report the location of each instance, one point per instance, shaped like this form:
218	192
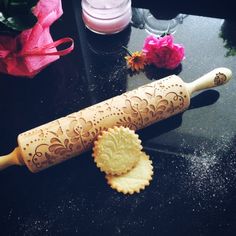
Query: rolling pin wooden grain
67	137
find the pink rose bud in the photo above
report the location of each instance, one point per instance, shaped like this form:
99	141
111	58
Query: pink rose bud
162	52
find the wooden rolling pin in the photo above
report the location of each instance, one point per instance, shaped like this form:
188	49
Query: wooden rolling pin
67	137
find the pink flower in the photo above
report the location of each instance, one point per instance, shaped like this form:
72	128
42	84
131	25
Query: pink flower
162	52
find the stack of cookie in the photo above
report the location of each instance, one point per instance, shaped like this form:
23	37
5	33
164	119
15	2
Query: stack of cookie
118	153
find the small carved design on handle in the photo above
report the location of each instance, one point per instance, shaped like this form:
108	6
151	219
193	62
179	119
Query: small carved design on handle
220	79
216	77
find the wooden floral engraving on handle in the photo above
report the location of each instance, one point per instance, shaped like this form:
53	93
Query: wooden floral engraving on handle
70	136
220	79
216	77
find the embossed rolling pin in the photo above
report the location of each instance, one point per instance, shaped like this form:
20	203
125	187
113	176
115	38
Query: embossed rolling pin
67	137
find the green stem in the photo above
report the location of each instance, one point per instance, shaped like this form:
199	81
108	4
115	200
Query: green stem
127	50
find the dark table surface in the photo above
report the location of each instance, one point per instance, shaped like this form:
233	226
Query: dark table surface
193	191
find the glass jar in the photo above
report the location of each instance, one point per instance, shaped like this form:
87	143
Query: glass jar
106	17
159	25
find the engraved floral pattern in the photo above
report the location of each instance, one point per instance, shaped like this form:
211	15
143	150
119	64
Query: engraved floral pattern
79	131
176	102
220	79
160	108
136	107
158	105
39	156
62	148
75	133
127	122
103	108
48	154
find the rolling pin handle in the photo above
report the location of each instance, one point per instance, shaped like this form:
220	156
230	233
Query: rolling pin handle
14	158
214	78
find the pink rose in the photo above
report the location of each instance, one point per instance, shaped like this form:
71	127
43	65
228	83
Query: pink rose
162	52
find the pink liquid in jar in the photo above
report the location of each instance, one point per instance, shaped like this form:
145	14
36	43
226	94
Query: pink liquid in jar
106	16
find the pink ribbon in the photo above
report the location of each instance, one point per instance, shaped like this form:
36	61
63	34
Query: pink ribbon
43	51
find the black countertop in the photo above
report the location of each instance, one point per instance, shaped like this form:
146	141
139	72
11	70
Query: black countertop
194	154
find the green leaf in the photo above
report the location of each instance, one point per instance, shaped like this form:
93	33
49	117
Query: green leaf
17	14
21	22
2	18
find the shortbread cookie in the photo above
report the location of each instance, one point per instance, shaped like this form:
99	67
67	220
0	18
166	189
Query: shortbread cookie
117	150
134	180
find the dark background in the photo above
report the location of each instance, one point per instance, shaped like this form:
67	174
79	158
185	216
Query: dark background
210	8
193	188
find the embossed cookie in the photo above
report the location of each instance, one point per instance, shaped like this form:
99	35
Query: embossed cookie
134	180
117	150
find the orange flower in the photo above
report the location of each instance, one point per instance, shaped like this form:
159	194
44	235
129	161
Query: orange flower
136	61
